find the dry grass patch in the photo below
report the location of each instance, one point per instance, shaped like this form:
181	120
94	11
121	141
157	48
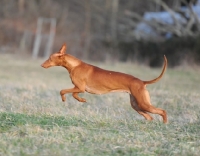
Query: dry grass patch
34	121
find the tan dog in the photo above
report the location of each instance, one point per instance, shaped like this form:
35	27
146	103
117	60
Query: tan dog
92	79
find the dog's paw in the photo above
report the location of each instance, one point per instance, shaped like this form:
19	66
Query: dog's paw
63	98
82	100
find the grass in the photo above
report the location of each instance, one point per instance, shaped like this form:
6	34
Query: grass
34	121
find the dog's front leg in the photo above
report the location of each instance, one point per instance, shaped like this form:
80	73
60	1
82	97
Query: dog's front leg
75	95
75	92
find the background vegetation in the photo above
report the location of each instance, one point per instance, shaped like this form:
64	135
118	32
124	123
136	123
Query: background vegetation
103	30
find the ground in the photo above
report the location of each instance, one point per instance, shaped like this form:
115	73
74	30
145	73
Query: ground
35	121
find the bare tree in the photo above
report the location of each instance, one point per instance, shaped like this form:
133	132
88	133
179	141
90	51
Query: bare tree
115	4
21	4
177	28
87	29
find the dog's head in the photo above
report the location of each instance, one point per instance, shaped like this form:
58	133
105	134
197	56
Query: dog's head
55	59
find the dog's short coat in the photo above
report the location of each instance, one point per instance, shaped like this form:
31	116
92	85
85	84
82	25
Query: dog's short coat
92	79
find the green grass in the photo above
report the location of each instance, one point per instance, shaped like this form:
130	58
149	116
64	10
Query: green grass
34	121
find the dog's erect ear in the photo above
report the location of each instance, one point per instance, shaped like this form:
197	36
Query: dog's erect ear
63	49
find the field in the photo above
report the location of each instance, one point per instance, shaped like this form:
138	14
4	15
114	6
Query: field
34	120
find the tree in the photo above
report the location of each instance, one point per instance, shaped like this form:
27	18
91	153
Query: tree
185	21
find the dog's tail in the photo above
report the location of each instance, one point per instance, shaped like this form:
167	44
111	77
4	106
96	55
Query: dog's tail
159	77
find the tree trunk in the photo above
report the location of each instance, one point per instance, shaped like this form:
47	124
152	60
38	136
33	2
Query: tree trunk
115	4
21	6
87	31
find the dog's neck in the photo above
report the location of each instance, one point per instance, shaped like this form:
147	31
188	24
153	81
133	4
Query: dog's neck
70	62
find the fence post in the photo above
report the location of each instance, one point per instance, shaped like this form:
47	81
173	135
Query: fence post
51	38
39	36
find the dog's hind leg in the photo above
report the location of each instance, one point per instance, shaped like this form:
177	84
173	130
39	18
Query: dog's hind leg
144	104
134	105
154	110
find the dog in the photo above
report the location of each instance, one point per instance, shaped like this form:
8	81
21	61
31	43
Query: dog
94	80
